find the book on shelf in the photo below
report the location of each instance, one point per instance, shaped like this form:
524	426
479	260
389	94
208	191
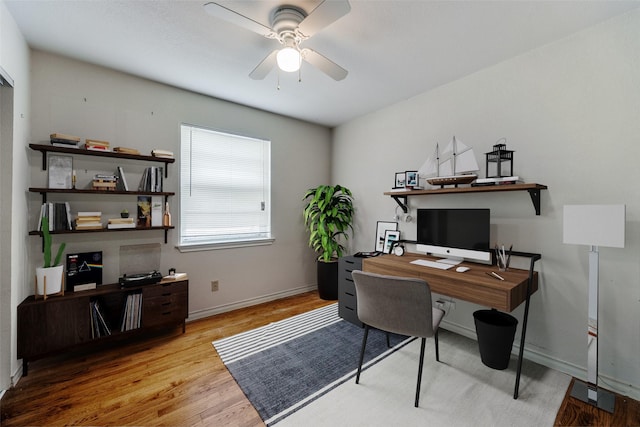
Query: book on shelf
64	137
57	214
96	145
121	221
126	150
156	211
89	221
122	180
64	144
151	180
504	180
144	211
112	226
161	153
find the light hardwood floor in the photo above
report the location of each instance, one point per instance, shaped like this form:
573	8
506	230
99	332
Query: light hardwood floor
177	379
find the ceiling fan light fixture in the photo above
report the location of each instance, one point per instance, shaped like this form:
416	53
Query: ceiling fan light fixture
289	59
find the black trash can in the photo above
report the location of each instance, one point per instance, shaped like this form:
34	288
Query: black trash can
496	331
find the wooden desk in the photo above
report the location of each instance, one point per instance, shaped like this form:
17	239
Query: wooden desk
473	285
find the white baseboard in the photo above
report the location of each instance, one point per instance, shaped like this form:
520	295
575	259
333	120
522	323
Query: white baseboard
201	314
575	371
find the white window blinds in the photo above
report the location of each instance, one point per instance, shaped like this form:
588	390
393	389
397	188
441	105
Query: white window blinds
225	193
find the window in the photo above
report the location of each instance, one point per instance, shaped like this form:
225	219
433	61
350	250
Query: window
225	189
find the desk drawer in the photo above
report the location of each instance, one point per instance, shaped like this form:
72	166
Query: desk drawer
347	299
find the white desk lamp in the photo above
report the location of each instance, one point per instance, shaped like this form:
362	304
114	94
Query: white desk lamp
594	225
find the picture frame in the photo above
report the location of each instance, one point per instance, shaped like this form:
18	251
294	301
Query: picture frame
411	179
399	180
390	237
381	228
60	171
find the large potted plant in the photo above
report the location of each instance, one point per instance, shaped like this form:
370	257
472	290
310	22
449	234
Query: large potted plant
328	216
49	276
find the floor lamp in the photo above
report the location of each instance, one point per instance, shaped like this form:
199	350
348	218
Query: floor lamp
594	225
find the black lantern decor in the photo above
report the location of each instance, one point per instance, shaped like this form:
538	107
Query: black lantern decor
500	155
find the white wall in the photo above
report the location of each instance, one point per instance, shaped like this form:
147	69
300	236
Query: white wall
570	110
93	102
14	59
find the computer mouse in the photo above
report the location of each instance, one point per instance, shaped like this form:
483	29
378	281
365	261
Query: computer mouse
462	269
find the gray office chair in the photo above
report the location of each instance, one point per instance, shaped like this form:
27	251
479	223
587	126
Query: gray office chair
400	305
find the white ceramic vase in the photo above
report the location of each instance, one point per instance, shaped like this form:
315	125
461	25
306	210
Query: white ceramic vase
53	277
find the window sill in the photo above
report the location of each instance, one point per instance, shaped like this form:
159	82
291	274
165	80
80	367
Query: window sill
196	247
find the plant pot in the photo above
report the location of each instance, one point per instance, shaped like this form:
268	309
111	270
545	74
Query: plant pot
327	279
52	276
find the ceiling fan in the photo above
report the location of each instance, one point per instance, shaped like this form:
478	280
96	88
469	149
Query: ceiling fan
291	26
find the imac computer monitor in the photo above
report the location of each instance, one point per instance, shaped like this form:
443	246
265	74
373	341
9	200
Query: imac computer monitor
454	233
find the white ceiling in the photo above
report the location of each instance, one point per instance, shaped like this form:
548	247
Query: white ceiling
393	50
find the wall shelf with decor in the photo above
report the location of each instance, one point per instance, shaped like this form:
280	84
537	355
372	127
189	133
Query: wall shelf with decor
44	191
44	149
401	197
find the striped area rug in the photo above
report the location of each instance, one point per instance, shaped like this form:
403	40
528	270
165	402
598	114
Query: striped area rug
283	366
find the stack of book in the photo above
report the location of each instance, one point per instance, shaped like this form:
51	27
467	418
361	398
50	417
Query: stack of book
89	221
104	182
132	312
95	145
162	153
115	223
62	140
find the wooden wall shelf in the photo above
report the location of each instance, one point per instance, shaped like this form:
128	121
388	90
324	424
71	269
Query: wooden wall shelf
401	197
44	149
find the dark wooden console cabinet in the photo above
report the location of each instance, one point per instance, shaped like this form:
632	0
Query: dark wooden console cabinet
59	324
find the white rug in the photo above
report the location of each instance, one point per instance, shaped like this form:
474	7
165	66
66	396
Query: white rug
457	391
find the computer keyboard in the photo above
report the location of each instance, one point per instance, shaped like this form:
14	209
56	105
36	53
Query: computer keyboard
432	264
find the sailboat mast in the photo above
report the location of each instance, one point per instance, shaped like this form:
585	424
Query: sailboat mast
455	153
437	160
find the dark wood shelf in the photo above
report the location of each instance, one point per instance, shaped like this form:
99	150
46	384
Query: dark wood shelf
101	230
534	191
45	191
44	149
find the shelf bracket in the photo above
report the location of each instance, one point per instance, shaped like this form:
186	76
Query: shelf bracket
535	198
403	203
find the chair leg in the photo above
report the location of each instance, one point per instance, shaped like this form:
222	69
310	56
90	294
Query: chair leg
420	370
437	348
388	342
364	344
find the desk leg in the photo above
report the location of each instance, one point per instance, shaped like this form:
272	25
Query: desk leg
521	353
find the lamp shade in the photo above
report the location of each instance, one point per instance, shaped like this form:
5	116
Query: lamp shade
594	225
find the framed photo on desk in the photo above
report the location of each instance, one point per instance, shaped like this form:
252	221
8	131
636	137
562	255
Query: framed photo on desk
390	237
381	228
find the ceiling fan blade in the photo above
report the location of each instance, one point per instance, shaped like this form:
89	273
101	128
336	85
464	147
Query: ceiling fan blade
226	14
325	14
325	65
264	67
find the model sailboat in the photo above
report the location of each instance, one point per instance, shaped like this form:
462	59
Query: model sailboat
455	165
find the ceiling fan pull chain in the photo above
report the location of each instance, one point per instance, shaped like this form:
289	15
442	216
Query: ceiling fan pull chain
278	71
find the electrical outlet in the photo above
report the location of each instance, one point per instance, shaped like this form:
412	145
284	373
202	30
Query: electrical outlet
214	286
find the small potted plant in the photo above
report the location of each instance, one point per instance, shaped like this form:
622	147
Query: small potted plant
328	216
124	213
49	276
